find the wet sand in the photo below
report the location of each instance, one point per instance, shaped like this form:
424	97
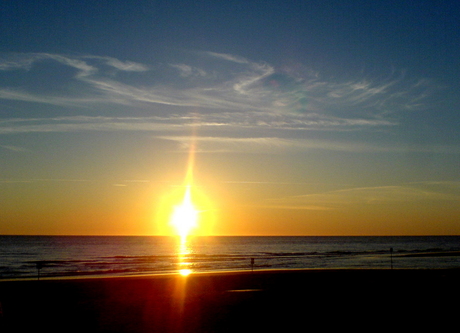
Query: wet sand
283	301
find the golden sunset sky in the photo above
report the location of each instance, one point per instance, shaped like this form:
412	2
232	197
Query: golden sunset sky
303	117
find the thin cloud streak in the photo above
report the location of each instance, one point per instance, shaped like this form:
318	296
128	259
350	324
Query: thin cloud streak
228	57
176	125
248	120
283	145
13	148
388	195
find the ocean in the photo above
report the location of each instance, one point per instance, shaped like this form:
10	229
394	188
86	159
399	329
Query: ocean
65	256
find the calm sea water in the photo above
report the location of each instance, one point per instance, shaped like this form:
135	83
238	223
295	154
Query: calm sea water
21	256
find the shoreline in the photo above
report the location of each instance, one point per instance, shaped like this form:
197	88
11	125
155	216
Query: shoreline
216	272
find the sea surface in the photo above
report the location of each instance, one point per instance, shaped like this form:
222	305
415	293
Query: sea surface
58	256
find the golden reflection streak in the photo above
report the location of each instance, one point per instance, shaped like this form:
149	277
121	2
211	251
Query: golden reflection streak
184	266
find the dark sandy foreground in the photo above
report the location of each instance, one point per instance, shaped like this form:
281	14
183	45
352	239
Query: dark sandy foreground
273	301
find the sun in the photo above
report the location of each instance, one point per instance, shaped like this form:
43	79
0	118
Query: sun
185	216
185	210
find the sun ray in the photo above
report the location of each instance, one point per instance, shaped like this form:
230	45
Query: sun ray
185	216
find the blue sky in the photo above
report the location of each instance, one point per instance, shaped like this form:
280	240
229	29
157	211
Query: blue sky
309	117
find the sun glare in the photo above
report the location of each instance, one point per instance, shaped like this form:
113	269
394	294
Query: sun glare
185	272
185	216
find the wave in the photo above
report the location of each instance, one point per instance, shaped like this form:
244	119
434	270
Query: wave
120	256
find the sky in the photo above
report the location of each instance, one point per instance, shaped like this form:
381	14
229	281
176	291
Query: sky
300	117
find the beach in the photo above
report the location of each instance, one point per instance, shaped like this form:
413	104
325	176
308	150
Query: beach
233	301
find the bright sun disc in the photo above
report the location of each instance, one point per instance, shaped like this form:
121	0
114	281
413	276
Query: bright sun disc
185	216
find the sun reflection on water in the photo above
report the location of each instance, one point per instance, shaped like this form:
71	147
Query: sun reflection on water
184	252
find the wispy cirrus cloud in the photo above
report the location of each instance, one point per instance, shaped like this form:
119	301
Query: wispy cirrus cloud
366	196
187	70
13	148
243	94
251	86
126	66
12	61
228	57
24	96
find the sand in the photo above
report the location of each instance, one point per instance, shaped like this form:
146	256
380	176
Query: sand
274	301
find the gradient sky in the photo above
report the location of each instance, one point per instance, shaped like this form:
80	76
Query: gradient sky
308	117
